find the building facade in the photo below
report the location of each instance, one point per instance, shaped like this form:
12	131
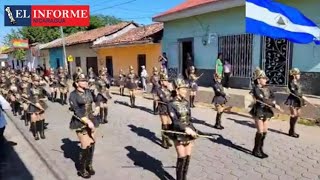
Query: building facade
138	47
206	28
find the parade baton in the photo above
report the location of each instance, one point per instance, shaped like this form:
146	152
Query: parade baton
182	133
303	99
199	77
281	110
29	102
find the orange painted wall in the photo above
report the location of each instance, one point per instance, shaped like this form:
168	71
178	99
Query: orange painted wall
123	57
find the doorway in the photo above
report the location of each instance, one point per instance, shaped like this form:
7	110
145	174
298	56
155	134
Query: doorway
109	65
92	62
186	47
141	62
58	63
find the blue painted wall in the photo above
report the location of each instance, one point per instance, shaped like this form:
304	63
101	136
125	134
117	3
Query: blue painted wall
232	21
55	53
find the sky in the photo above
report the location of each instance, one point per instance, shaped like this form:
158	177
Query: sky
140	11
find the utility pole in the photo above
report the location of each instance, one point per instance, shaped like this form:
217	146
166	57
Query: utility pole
64	51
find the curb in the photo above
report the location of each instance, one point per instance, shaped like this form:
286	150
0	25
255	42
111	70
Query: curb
44	157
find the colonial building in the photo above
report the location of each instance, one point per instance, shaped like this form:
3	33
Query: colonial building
78	45
138	47
206	27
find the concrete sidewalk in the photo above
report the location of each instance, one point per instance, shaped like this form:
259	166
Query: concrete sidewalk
241	99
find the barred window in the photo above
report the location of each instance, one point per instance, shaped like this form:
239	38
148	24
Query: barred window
238	50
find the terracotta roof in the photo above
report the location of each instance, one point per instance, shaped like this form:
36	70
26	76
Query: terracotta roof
89	36
134	36
188	4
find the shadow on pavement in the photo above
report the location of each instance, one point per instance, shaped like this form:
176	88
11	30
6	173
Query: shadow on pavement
11	166
252	125
71	150
147	162
221	140
202	122
136	106
146	133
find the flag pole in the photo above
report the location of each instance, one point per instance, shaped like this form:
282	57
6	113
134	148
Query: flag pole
64	50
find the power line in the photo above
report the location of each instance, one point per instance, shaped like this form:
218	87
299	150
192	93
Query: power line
99	3
138	10
120	4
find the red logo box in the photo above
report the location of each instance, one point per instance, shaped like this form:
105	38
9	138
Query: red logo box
63	15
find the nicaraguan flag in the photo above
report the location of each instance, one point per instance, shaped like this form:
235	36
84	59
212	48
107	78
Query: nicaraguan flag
277	20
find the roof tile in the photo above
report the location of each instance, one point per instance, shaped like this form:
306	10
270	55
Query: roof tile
134	36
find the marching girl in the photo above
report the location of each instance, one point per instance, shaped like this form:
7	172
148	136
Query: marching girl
193	84
84	122
122	78
37	107
132	80
155	86
164	95
180	114
295	100
219	99
262	110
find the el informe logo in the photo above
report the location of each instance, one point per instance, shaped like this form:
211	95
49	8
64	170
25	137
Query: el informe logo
39	15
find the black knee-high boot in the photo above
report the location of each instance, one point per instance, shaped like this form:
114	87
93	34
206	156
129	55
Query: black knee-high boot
122	91
293	121
51	97
34	129
131	101
163	138
257	146
186	167
261	147
101	115
192	102
166	127
89	166
61	99
55	97
83	161
65	98
154	107
26	118
105	115
14	109
218	121
134	100
18	108
179	168
41	129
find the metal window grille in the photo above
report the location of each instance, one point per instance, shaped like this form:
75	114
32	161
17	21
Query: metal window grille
238	50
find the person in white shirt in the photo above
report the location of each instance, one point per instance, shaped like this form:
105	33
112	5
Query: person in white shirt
4	104
144	76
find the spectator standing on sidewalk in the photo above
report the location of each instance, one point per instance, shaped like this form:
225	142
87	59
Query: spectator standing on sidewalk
144	76
4	106
164	61
219	65
227	73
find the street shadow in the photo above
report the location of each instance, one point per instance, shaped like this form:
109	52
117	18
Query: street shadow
122	103
11	165
243	122
145	109
226	142
71	150
118	93
277	131
147	162
136	106
146	133
238	114
252	125
202	122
